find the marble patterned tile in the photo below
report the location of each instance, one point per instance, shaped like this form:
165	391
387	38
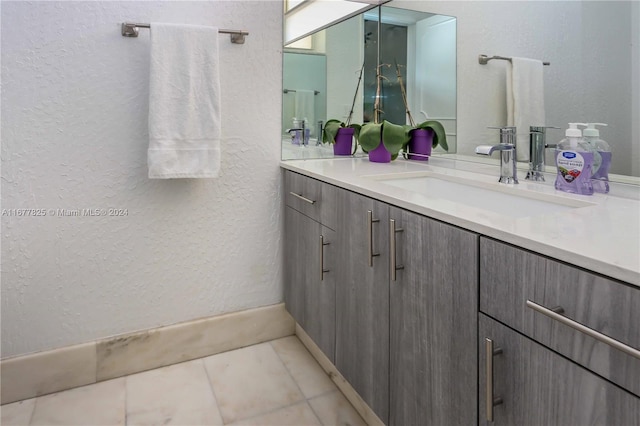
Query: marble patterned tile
18	413
163	346
294	415
304	369
46	372
250	381
176	395
97	404
335	410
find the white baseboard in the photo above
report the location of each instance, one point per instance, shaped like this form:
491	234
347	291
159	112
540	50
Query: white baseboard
45	372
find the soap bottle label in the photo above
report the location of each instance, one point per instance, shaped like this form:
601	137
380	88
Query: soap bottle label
570	165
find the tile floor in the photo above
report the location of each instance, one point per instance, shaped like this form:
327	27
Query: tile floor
273	383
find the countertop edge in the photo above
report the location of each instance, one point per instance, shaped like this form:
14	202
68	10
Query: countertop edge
593	265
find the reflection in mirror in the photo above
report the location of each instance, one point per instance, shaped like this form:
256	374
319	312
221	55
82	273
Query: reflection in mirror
322	67
593	48
594	75
423	44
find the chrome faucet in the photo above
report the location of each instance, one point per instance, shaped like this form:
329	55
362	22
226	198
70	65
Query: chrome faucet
302	136
537	146
507	148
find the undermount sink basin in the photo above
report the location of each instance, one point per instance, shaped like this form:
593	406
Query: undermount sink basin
506	200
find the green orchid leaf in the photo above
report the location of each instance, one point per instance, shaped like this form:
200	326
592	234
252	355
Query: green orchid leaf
407	129
394	137
330	132
369	136
439	135
356	134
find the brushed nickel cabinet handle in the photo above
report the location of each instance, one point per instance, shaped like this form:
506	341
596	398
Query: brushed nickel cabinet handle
490	352
551	313
370	222
393	266
305	199
322	270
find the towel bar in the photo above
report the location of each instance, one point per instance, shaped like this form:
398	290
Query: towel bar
483	59
315	92
131	30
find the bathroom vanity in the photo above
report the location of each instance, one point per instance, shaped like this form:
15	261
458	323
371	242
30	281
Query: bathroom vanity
444	297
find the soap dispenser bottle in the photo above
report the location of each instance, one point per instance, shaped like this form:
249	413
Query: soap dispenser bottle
574	160
600	176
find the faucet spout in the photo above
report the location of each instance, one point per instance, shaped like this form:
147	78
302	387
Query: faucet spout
490	149
507	148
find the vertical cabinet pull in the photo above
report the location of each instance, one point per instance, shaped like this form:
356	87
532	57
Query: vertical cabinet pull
392	249
490	352
322	270
370	222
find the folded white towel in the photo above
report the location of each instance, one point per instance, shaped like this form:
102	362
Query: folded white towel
525	100
304	107
184	102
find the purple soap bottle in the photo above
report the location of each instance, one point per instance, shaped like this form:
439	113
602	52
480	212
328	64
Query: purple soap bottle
600	176
574	160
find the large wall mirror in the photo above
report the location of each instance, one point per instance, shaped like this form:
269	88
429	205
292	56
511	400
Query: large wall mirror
322	72
593	48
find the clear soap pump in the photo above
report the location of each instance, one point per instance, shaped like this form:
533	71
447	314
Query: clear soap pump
600	176
574	160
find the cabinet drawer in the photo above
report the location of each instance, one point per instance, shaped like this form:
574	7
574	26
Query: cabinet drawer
515	283
527	384
311	197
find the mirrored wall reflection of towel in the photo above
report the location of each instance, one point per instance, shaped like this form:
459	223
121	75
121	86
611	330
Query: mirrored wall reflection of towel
305	100
525	100
184	102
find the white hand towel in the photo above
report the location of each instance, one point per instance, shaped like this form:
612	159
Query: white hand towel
304	107
184	102
525	100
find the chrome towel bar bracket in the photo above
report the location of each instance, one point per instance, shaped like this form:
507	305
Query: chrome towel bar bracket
130	29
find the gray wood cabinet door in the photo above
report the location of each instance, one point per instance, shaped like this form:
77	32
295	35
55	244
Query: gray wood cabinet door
309	284
362	299
433	323
511	277
539	387
320	296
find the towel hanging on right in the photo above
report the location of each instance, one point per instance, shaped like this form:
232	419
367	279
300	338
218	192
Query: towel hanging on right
525	100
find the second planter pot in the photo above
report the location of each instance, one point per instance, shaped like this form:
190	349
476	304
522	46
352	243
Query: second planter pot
380	154
420	144
344	141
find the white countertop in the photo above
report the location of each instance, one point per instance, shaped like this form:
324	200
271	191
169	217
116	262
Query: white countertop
603	237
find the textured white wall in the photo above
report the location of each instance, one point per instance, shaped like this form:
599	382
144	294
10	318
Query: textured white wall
74	136
578	87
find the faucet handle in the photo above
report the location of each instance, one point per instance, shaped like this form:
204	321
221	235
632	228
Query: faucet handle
541	129
504	129
507	135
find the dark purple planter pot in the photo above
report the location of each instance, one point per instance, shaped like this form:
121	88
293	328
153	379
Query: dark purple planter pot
420	143
380	154
344	141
